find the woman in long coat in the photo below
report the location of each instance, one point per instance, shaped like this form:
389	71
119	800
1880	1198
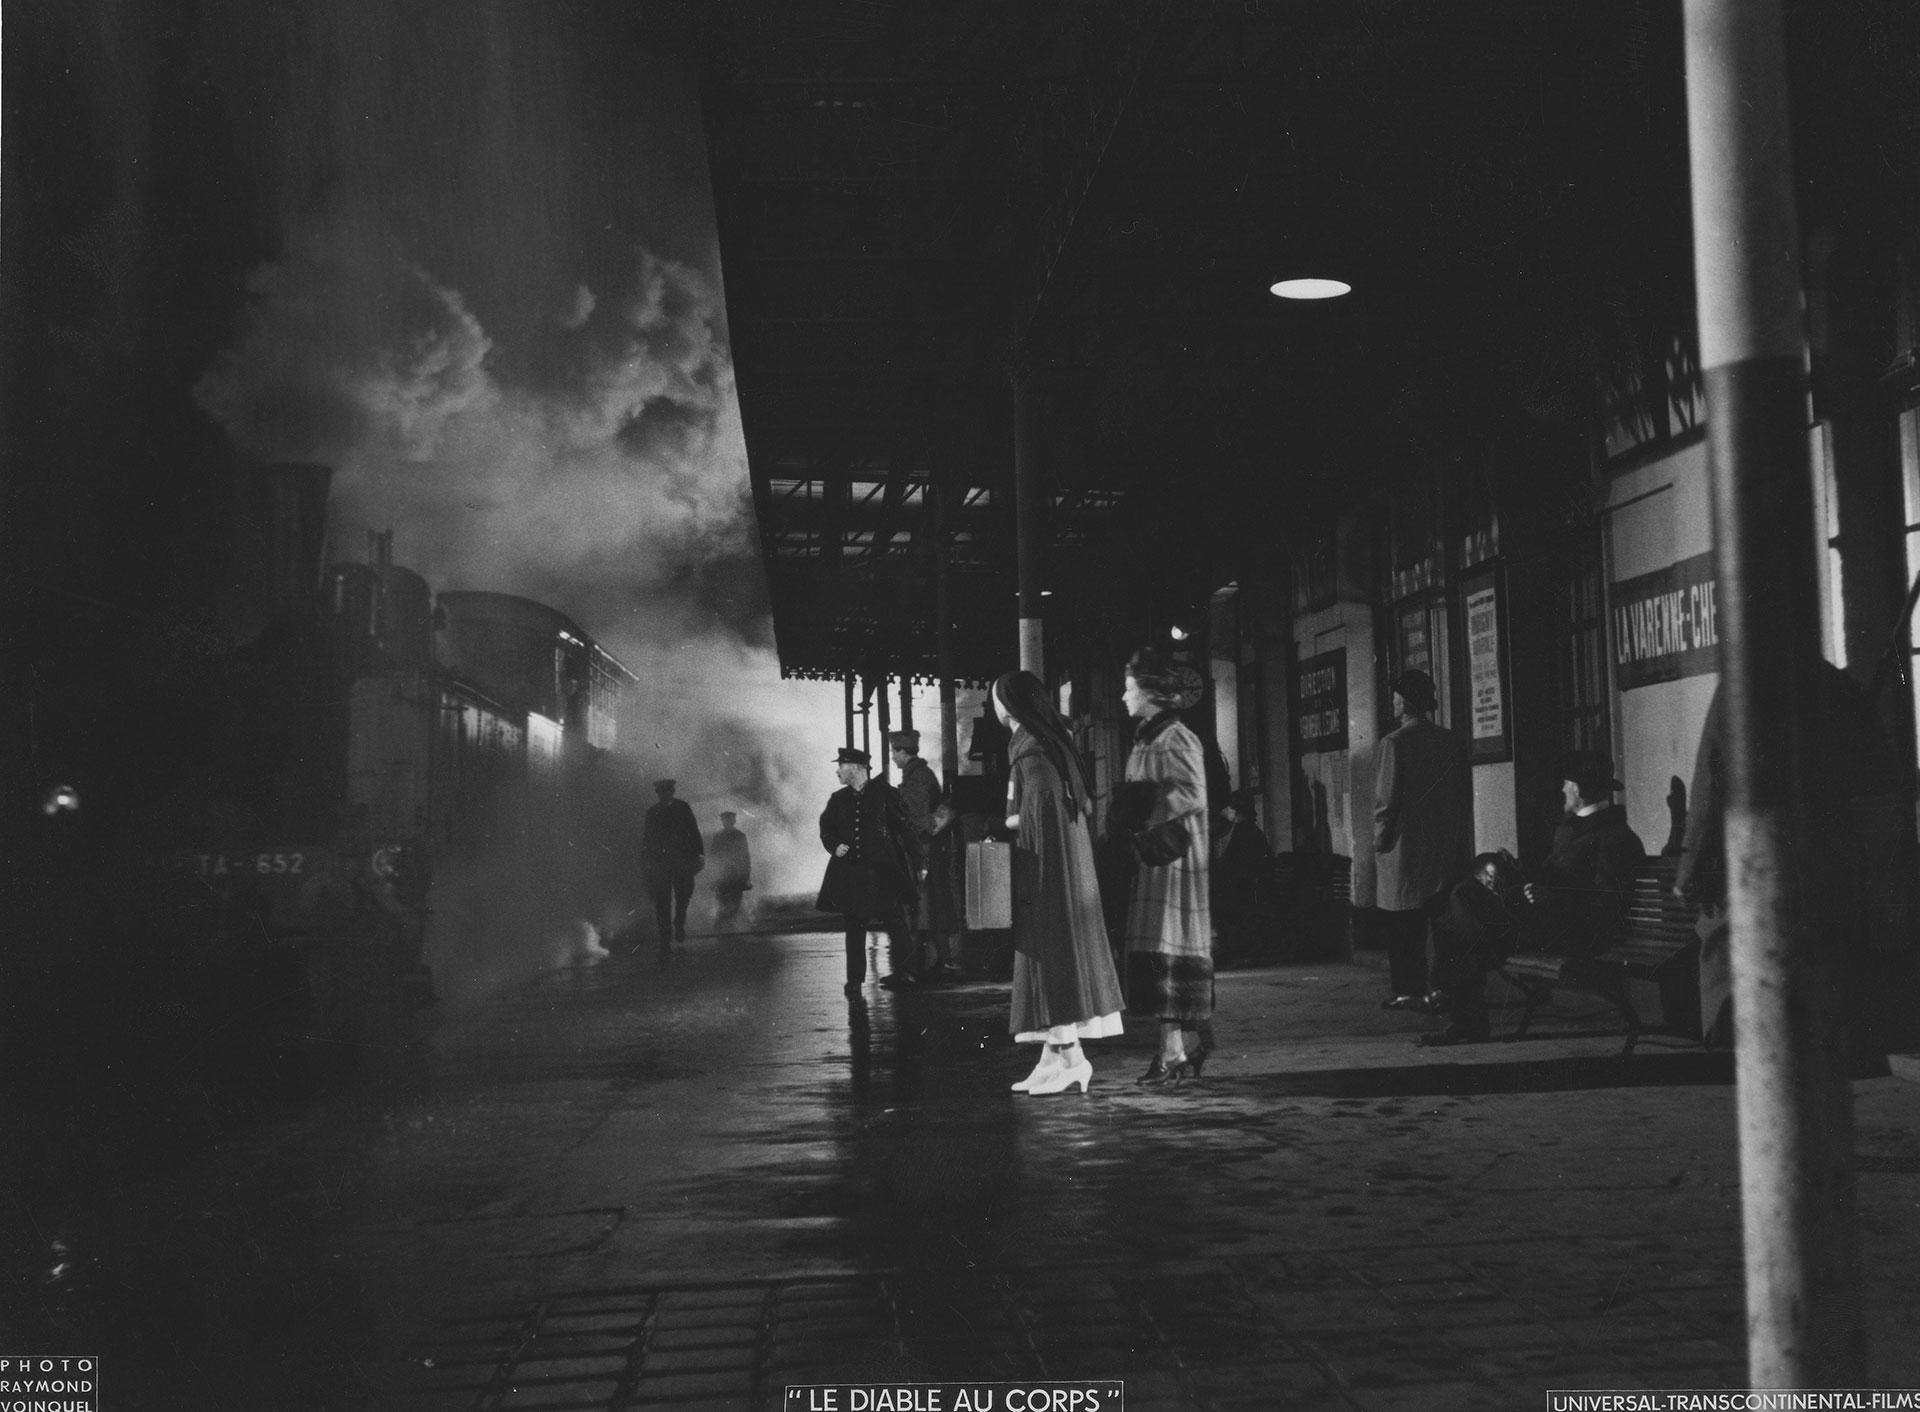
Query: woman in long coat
1169	922
1065	988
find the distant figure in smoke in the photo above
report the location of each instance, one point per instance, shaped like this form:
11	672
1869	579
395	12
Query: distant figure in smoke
870	876
732	870
675	854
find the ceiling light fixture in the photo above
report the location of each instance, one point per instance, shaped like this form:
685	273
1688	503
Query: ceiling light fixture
1311	288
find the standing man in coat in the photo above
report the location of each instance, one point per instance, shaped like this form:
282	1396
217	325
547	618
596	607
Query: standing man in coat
732	871
870	873
922	795
1422	831
675	853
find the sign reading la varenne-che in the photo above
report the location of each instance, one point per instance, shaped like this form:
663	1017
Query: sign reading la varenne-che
1666	624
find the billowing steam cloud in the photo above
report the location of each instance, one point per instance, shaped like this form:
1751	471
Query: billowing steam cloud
601	470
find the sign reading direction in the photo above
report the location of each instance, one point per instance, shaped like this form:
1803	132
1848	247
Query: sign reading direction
1320	702
1665	625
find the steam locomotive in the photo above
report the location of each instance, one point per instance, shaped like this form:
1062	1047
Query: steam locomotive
371	733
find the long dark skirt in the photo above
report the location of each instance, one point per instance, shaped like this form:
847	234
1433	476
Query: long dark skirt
1063	972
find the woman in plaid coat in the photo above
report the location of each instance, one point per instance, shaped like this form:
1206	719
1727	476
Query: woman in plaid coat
1169	925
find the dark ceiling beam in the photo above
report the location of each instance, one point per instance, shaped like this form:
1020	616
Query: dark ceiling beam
1054	230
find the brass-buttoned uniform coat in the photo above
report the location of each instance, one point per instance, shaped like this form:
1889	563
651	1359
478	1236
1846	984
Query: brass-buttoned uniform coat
876	877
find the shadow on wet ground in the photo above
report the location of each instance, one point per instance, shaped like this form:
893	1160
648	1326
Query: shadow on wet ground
687	1185
1557	1075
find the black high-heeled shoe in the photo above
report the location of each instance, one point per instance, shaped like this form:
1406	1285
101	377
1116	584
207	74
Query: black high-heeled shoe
1161	1074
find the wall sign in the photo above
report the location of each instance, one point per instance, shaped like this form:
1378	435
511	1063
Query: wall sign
1666	625
1413	626
1489	729
1320	702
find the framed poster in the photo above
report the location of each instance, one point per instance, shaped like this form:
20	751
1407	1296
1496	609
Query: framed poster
1320	702
1483	610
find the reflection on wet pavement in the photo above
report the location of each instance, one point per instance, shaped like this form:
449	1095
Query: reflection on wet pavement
630	1185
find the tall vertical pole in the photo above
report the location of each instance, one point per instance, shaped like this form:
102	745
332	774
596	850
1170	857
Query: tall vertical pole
1795	1107
884	765
1027	519
943	639
849	684
952	849
906	701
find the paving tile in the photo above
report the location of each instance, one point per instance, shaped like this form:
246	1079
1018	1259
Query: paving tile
558	1395
726	1336
1427	1397
1624	1333
700	1360
435	1374
535	1367
623	1322
683	1319
577	1345
434	1400
1089	1363
1272	1378
1299	1310
613	1302
1474	1338
730	1296
673	1387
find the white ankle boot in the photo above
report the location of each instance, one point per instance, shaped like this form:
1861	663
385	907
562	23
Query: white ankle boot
1049	1061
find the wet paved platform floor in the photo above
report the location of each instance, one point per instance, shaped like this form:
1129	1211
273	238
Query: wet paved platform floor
626	1187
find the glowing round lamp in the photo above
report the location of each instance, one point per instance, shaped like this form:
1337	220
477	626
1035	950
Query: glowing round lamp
1312	288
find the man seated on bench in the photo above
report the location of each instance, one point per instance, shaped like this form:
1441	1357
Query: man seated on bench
1584	885
1477	929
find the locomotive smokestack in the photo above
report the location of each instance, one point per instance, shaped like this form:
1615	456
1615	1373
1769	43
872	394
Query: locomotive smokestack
296	531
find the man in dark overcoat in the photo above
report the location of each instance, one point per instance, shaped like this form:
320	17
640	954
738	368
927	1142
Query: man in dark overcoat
1422	831
922	795
870	874
675	853
1585	883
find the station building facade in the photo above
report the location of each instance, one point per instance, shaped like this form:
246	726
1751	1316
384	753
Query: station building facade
1563	595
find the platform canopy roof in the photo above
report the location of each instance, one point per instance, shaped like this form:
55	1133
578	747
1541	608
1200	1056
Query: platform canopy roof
924	206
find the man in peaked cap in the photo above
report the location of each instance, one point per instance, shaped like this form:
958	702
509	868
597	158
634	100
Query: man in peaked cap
870	874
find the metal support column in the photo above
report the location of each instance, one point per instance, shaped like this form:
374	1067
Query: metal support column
849	684
883	763
1804	1326
1029	526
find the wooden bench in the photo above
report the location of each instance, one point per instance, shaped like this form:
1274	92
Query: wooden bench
1660	949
